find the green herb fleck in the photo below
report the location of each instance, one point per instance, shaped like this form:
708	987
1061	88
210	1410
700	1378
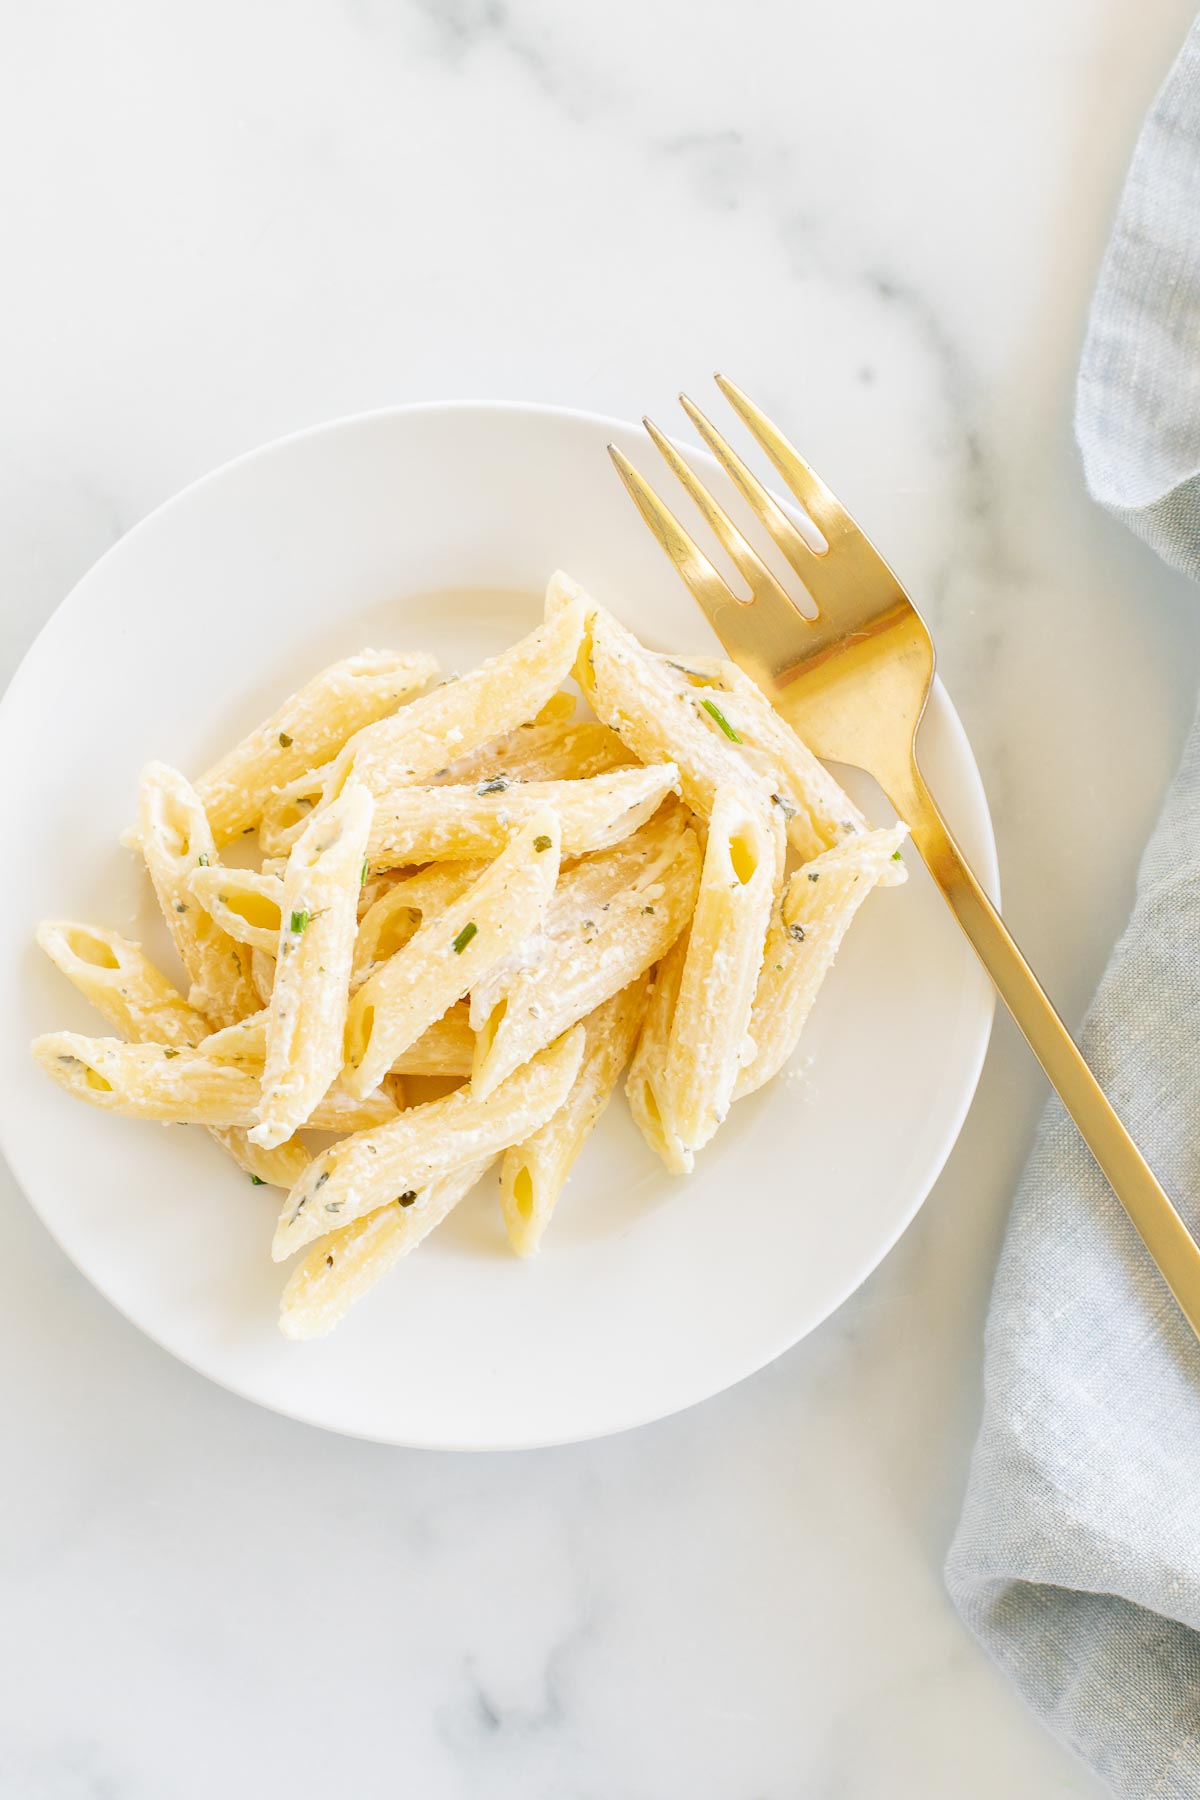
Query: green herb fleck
202	859
362	874
258	1181
812	876
496	785
785	806
715	712
647	909
541	842
464	937
170	1053
896	856
299	921
285	741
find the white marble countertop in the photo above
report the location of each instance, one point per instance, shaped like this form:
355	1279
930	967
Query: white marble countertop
222	223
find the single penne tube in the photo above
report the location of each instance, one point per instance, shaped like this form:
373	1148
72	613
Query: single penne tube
643	1083
450	952
184	1086
247	906
592	951
425	736
806	933
663	710
306	730
173	836
708	1041
557	750
425	1144
122	983
345	1265
433	824
767	736
533	1173
391	921
306	1017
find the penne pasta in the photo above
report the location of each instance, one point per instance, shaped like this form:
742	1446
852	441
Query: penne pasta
173	836
618	915
434	824
453	720
662	709
446	1048
184	1086
341	1268
246	906
446	955
708	1039
391	921
643	1084
533	1173
306	1017
307	729
556	750
767	735
262	973
122	983
806	933
425	1144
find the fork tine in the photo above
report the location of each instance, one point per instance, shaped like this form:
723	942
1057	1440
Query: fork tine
707	587
822	506
750	565
790	539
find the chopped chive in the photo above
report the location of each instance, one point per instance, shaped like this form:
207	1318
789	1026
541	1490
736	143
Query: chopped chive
464	937
202	859
715	712
541	842
362	875
299	921
258	1181
896	856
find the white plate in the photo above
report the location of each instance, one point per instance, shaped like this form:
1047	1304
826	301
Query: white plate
436	527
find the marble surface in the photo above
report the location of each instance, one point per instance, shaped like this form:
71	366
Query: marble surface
222	223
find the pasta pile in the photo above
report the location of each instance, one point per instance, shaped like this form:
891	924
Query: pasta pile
467	882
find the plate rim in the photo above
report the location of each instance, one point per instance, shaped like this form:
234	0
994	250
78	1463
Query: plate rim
986	868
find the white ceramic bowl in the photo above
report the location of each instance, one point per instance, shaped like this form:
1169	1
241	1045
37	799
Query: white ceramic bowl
436	527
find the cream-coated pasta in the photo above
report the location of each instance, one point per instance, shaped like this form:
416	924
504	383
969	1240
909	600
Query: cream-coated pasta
426	736
432	824
173	836
449	953
305	730
600	938
533	1173
806	933
306	1018
345	1265
376	1168
248	906
644	1081
708	1042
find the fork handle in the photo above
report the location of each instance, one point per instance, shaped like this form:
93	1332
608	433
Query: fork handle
1158	1224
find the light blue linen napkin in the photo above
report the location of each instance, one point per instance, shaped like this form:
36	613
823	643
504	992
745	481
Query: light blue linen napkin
1077	1559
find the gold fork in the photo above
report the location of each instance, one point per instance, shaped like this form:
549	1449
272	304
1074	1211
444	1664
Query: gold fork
854	682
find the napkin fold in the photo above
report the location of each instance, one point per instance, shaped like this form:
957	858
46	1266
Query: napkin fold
1077	1558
